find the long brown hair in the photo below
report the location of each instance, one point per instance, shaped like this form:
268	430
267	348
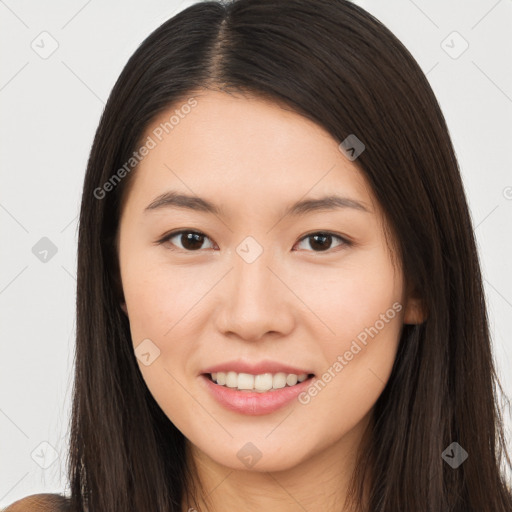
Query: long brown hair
334	63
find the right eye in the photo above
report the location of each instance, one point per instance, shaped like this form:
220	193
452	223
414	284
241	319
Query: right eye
190	240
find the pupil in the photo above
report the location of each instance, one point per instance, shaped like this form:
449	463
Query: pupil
323	237
190	239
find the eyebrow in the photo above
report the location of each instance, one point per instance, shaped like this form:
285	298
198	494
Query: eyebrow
173	199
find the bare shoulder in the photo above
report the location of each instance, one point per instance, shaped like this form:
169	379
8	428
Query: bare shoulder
45	502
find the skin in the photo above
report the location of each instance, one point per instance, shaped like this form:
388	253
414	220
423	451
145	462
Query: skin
43	502
296	303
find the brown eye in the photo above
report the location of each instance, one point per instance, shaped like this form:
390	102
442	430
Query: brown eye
189	240
322	241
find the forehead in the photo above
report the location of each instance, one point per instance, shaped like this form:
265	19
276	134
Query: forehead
221	142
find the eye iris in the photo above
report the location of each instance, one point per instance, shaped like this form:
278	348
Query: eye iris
194	240
313	243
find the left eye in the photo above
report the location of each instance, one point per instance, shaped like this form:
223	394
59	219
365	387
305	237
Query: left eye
192	240
323	240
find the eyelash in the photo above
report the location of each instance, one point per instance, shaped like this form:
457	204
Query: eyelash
166	238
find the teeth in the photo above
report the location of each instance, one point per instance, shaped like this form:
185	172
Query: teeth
259	383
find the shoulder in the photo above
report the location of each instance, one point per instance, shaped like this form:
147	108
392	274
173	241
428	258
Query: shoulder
40	503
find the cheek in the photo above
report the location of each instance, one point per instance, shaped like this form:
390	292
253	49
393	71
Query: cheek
354	377
158	303
354	298
158	297
363	310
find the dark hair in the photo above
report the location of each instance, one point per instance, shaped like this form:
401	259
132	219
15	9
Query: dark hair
334	63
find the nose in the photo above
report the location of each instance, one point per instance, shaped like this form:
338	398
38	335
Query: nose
255	300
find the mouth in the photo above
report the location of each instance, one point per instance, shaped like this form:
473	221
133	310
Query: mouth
255	395
261	383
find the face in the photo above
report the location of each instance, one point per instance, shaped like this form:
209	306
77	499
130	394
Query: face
250	285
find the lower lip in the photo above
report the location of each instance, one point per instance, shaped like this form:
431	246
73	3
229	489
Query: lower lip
254	403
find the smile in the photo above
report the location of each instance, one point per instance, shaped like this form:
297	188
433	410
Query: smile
252	401
258	383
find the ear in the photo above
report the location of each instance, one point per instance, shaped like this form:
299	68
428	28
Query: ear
124	308
414	313
415	310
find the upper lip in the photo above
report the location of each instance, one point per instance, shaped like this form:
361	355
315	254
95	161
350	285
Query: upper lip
259	368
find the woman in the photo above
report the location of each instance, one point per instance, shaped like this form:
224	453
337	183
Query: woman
279	302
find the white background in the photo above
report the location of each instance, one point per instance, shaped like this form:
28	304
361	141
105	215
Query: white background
50	110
